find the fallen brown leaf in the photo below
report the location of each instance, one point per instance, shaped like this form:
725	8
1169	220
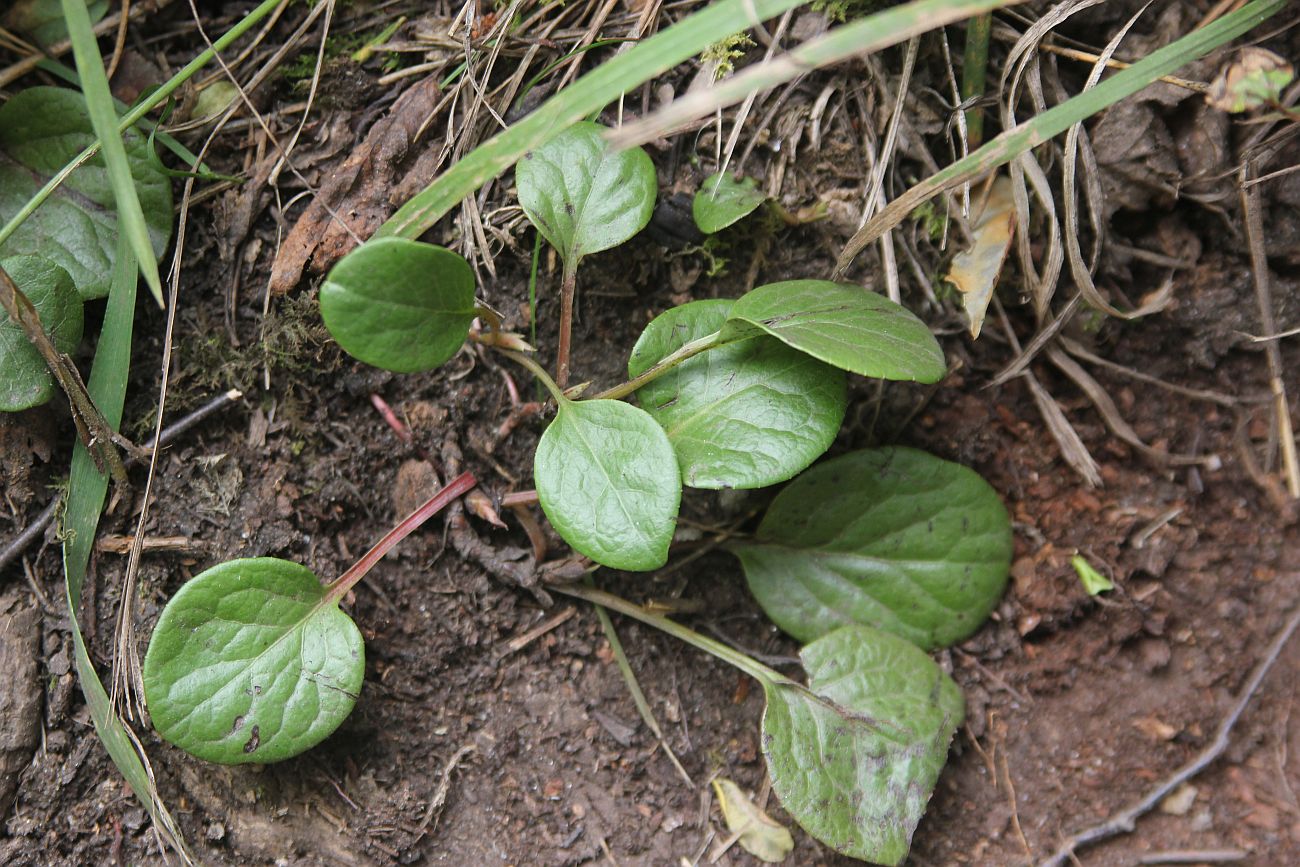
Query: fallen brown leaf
358	196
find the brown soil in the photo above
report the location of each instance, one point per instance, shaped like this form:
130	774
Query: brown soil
1076	705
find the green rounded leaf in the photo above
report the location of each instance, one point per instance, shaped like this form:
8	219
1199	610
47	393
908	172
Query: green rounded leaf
25	381
855	757
250	662
608	482
723	201
893	538
847	326
744	415
583	196
41	129
398	304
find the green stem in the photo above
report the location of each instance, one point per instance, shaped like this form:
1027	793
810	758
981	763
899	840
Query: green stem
975	63
665	364
148	104
750	666
435	504
538	371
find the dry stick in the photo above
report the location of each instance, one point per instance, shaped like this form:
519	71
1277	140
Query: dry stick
1226	400
742	113
1114	419
37	528
1072	447
1112	63
1264	298
96	434
1194	856
1125	821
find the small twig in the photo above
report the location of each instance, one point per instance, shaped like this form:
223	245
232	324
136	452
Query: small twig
1194	856
519	642
1112	63
97	435
519	498
1124	821
1264	298
37	528
1079	351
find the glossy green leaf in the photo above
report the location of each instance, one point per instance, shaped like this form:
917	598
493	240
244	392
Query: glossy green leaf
723	201
893	538
855	757
250	662
744	415
846	326
25	381
608	482
583	196
41	128
398	304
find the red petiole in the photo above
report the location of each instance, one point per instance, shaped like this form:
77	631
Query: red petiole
458	486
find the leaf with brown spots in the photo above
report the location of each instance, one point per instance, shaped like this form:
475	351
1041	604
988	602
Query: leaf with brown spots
855	756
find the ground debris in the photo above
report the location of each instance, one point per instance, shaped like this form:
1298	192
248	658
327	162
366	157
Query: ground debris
357	198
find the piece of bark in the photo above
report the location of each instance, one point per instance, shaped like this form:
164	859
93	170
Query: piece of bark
20	691
357	197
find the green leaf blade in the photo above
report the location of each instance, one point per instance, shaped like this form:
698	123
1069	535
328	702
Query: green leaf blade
744	415
41	129
250	663
582	195
608	482
723	201
25	381
855	757
892	538
845	326
589	94
401	305
104	120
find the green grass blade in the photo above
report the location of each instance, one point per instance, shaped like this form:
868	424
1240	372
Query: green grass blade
1058	119
87	489
99	102
861	37
53	67
588	94
158	97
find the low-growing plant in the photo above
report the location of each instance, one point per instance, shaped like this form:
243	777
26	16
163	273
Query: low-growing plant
63	255
723	201
871	558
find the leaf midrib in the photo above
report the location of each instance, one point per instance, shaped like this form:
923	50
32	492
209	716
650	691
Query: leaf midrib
577	432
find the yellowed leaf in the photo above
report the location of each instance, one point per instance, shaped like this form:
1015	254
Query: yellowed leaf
975	271
758	833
